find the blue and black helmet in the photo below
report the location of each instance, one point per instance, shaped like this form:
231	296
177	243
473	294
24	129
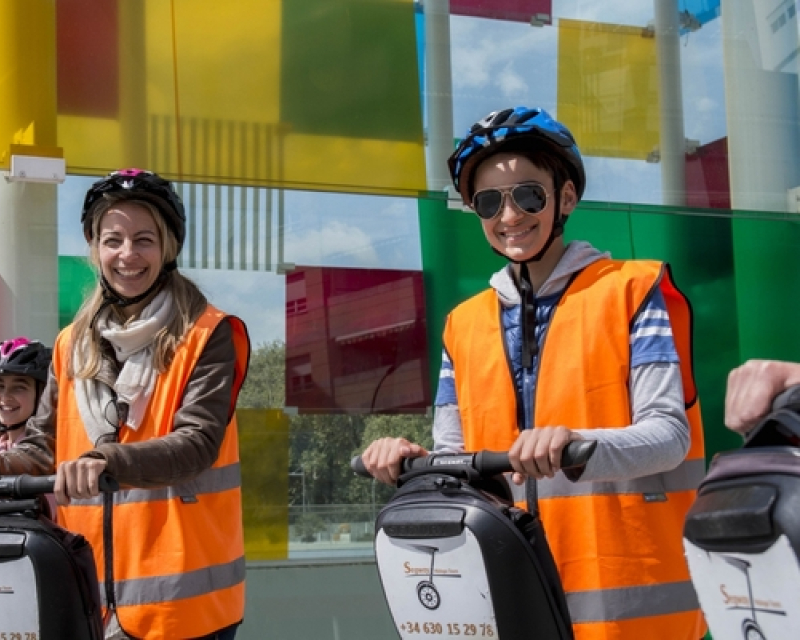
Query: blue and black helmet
490	134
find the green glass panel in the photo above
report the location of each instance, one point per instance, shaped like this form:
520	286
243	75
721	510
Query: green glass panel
456	262
75	280
349	68
767	287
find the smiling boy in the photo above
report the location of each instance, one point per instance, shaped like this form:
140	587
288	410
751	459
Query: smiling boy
568	344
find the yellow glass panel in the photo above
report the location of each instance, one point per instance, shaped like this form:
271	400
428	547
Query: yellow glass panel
352	164
28	77
264	453
75	131
608	88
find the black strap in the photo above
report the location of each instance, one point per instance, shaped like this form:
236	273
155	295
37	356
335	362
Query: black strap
530	348
108	554
108	528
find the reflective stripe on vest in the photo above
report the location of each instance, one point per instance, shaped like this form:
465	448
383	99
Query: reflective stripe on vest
632	602
685	477
141	591
212	480
186	539
608	538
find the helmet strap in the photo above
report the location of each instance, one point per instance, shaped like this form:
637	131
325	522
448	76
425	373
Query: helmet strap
12	427
111	296
530	348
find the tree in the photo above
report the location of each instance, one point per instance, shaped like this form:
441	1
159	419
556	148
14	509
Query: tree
265	385
322	445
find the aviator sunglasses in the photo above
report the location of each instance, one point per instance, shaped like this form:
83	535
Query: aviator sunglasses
530	197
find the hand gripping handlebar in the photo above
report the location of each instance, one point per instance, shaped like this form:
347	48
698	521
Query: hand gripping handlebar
485	463
26	486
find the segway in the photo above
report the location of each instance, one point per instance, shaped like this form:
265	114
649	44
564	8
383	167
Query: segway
742	534
48	577
457	558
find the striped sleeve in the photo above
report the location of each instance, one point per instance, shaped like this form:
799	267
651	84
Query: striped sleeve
651	335
446	393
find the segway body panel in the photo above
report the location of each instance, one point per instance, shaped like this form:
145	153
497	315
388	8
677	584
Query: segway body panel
48	579
457	558
742	535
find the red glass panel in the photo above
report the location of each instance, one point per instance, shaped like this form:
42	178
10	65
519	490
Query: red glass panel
707	180
88	58
517	10
356	341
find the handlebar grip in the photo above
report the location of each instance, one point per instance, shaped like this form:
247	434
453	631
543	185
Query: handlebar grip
577	453
357	465
790	396
27	486
492	463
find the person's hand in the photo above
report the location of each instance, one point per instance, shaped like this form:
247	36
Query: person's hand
751	389
537	452
382	457
78	479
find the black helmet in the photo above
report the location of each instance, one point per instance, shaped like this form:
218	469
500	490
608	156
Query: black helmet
142	184
489	134
23	357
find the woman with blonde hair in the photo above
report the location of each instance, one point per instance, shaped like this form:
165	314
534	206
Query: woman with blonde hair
143	387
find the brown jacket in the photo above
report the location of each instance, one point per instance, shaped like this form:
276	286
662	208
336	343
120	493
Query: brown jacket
193	446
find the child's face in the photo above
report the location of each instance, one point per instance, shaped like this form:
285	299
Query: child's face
17	399
513	232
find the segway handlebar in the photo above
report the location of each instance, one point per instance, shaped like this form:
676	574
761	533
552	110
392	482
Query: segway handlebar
485	463
27	486
787	398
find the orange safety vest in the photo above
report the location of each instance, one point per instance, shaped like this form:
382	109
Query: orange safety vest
179	565
618	545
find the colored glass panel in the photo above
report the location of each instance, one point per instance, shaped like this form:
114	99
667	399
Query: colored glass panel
707	179
356	341
88	55
75	280
517	10
700	10
264	455
27	49
608	88
301	95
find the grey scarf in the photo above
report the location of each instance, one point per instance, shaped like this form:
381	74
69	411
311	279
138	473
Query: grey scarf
133	347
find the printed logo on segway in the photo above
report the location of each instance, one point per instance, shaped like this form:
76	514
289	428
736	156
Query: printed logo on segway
425	601
749	603
748	596
428	594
